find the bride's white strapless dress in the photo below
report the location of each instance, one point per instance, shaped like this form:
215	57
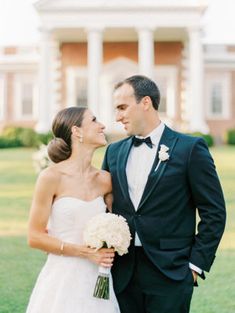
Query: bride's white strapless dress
66	284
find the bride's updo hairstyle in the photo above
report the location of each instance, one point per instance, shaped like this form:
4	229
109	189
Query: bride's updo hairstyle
60	148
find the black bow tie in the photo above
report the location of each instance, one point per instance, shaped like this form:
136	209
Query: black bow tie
138	141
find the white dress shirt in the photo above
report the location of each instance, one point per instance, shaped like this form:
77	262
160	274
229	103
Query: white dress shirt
139	164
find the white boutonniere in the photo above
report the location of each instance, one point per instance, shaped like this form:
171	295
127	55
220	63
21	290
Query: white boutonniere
163	155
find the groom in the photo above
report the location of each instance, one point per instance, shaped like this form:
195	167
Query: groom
160	179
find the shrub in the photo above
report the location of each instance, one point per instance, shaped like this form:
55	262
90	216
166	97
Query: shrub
45	138
23	137
12	132
29	138
10	137
207	137
18	137
9	143
231	136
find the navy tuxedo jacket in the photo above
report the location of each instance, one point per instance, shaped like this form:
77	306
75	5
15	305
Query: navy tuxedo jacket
166	216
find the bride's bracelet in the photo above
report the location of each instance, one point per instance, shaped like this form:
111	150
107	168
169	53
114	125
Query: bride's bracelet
62	248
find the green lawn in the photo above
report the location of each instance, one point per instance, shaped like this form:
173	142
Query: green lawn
19	265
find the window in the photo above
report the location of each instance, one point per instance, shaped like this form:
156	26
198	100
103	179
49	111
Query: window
25	97
216	99
218	91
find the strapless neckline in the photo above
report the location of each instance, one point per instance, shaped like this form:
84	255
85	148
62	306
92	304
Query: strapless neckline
76	199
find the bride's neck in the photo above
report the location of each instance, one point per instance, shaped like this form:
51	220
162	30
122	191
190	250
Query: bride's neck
80	160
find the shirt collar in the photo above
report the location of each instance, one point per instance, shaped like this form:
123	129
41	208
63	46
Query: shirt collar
155	134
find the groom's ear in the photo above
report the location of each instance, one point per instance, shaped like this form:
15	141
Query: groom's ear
146	102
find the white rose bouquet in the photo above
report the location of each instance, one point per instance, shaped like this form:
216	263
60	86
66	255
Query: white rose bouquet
107	230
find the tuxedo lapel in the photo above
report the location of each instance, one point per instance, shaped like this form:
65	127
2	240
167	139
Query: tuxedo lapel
168	139
121	168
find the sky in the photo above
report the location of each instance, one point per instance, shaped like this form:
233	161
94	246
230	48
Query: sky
19	22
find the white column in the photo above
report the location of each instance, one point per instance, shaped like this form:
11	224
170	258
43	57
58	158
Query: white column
43	124
55	67
70	86
146	52
196	82
95	61
49	81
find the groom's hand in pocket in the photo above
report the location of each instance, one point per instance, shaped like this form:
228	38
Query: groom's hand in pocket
195	274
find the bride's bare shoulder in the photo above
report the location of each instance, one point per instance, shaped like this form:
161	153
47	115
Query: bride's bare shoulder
50	174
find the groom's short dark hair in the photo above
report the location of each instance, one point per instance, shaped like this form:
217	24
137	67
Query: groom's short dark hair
143	86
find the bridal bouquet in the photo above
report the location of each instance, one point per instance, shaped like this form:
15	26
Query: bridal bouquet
107	230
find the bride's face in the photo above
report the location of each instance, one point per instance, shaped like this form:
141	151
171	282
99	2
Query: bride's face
92	130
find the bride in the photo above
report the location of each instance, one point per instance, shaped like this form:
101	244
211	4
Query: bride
68	194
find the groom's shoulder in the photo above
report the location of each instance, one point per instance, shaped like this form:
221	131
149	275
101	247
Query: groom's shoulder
187	139
117	144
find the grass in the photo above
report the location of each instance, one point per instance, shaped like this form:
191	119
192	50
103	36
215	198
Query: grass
19	265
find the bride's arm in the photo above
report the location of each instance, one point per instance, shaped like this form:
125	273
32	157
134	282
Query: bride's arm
44	193
38	238
105	181
108	199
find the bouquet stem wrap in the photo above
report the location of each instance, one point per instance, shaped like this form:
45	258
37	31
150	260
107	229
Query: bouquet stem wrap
102	284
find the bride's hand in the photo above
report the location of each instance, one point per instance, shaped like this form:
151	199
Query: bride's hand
103	256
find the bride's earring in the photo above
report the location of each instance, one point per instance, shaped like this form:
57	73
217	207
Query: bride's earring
81	139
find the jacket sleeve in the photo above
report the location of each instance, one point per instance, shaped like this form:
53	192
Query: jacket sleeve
208	198
105	165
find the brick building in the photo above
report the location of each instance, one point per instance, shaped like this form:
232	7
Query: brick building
87	46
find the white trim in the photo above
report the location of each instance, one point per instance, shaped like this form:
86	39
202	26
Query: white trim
220	66
18	62
218	57
224	79
19	81
2	97
55	5
111	19
72	73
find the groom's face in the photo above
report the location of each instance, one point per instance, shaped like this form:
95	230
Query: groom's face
128	111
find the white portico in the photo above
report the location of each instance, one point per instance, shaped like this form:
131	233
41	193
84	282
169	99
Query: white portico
89	45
